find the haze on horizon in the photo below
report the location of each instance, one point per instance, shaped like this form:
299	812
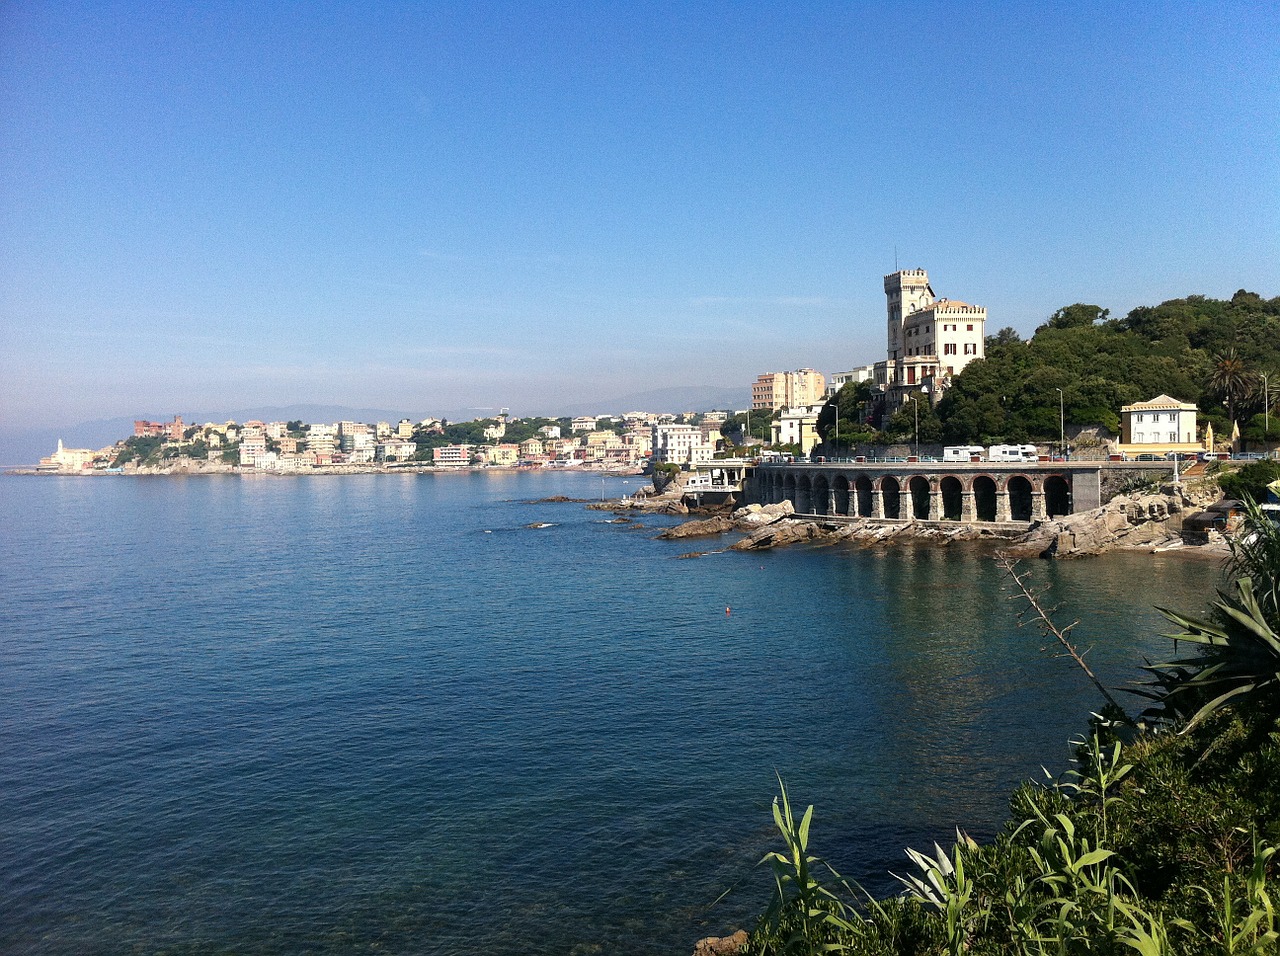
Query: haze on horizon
528	205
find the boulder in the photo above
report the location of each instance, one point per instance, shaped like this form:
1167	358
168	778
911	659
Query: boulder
721	945
717	524
779	533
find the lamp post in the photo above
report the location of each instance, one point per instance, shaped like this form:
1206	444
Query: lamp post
915	406
1062	425
1266	410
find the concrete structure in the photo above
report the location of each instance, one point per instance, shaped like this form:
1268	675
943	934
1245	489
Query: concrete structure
452	455
774	390
253	449
1158	427
981	492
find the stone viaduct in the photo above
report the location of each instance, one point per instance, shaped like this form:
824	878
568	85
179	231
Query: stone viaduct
930	491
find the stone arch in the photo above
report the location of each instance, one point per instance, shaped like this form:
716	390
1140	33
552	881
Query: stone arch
952	498
920	492
1019	489
891	493
841	486
984	498
789	490
820	496
863	488
804	495
1057	496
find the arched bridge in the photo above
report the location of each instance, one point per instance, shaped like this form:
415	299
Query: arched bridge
930	491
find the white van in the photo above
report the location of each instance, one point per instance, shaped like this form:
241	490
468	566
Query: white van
961	452
1013	453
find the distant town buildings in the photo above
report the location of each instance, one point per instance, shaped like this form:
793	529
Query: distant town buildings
774	390
172	430
68	459
680	444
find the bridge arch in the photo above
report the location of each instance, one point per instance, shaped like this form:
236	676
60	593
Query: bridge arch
918	488
820	495
984	497
1057	496
1020	497
952	498
863	489
789	489
841	488
803	500
891	494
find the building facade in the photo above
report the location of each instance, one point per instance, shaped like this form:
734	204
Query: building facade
1159	426
928	340
774	390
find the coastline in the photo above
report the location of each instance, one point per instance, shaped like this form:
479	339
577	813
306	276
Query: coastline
1167	522
236	471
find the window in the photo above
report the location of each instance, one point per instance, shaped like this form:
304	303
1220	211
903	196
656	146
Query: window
970	326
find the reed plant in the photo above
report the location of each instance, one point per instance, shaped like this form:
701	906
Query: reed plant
1161	839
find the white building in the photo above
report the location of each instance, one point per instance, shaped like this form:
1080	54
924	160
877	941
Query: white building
1161	425
681	444
928	340
253	450
863	373
798	426
395	450
452	455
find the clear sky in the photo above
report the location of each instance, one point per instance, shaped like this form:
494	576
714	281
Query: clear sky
441	205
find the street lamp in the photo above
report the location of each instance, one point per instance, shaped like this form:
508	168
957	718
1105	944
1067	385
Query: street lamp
1062	425
915	405
1266	410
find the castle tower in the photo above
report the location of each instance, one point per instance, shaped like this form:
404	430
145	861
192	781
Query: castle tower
906	291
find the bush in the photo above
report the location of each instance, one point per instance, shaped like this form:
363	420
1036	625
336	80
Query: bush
1250	482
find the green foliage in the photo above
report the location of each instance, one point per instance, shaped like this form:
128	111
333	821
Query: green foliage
901	426
145	450
1250	482
761	426
1156	844
1101	364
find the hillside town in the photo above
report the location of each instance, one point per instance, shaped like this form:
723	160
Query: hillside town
929	343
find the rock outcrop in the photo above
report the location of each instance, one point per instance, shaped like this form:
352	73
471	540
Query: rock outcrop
1140	521
705	527
721	945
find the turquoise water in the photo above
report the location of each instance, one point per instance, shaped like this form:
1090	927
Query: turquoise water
381	714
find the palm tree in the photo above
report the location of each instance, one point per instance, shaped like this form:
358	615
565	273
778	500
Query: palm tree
1231	379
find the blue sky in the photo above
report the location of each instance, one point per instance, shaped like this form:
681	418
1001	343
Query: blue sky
423	206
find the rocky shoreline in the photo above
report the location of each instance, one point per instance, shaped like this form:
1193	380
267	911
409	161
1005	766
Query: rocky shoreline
1153	522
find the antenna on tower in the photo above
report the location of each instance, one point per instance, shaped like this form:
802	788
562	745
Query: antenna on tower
895	257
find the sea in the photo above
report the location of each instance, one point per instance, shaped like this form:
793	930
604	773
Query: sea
439	714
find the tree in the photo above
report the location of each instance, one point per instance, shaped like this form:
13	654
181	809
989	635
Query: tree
1075	316
1231	379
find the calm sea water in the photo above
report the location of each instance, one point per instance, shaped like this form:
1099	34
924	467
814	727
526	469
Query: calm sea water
382	714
